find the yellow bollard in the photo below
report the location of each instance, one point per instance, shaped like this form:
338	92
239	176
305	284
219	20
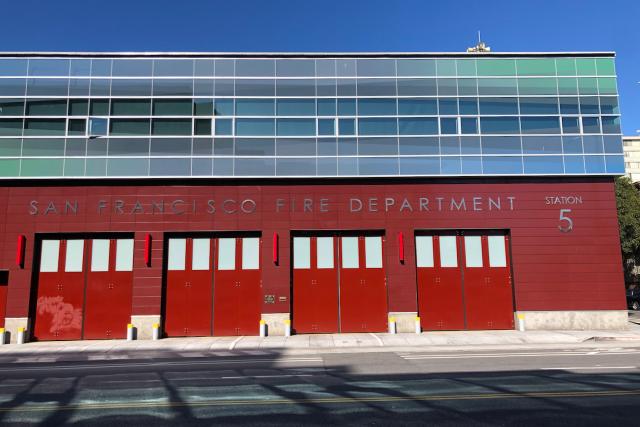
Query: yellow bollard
21	335
2	336
263	328
129	332
418	327
287	327
392	325
155	331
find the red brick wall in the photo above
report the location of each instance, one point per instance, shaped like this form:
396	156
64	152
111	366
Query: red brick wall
576	270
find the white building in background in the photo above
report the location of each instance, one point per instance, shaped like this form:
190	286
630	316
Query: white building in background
631	148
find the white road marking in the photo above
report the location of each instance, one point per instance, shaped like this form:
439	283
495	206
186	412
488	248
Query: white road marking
233	344
265	376
503	355
586	367
377	338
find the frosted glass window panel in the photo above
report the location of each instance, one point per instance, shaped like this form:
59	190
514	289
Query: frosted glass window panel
301	252
227	254
100	255
49	256
448	251
324	255
497	252
250	253
74	257
473	251
424	251
350	252
124	255
373	251
201	254
177	254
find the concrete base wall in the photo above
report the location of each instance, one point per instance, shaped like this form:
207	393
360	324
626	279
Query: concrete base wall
275	322
144	325
11	325
405	321
573	320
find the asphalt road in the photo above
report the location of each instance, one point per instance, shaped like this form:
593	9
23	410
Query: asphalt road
593	386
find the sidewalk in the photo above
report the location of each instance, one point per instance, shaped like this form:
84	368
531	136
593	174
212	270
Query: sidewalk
321	343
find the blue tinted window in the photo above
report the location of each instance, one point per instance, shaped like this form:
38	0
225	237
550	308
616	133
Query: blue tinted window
101	67
253	167
376	87
296	127
326	87
449	145
540	125
297	87
347	146
204	67
223	107
173	87
502	165
422	145
610	124
468	125
448	106
346	107
255	67
594	164
13	87
347	126
572	144
255	127
448	126
418	126
296	167
569	106
468	106
450	165
470	145
13	67
467	87
326	107
420	165
589	105
346	87
417	87
346	67
494	106
416	67
376	107
501	86
570	125
254	107
592	144
591	125
614	164
325	67
573	164
447	87
132	67
255	147
376	67
417	107
295	67
377	127
130	87
223	146
501	145
471	165
378	146
490	125
543	164
48	67
224	88
612	144
326	127
173	67
538	105
542	144
609	105
250	87
296	107
327	147
52	87
223	127
347	166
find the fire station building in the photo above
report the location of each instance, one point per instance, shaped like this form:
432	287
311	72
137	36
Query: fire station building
208	192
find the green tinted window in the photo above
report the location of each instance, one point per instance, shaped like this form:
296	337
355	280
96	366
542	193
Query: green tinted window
566	66
536	67
77	127
96	167
568	86
47	107
130	107
607	85
74	167
466	67
99	107
43	147
605	67
41	167
416	67
11	107
9	167
497	87
535	86
588	86
9	147
586	66
171	127
467	86
203	107
223	107
172	107
496	67
10	127
44	127
78	107
129	127
202	127
446	67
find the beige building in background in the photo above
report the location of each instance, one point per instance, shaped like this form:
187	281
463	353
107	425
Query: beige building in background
631	148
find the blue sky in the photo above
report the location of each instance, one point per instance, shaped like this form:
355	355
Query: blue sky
334	25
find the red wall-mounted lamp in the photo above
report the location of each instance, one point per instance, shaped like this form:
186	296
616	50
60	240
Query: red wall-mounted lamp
275	248
147	250
401	247
20	250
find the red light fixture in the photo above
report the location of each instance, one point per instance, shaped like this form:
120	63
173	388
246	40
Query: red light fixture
147	250
275	248
20	250
401	247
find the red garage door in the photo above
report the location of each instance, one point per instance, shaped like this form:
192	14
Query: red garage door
204	297
78	298
464	281
347	295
